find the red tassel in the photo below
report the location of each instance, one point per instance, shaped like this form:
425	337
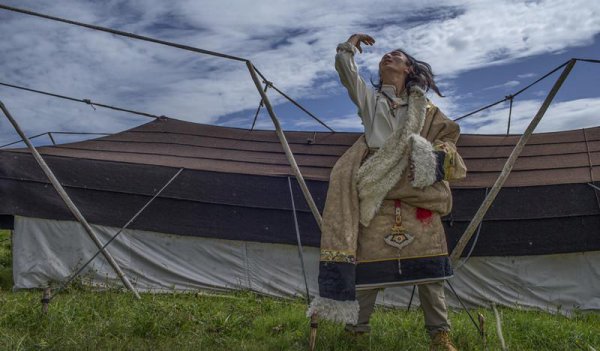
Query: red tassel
423	215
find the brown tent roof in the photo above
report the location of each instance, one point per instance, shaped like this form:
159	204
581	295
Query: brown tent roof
549	158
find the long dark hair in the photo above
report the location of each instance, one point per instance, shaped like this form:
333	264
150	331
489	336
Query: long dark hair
421	75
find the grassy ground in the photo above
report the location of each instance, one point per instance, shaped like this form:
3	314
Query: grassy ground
79	319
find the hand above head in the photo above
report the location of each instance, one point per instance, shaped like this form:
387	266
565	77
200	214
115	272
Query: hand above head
358	38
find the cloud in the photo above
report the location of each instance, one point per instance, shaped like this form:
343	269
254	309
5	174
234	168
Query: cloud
564	115
495	32
349	123
526	75
291	42
507	85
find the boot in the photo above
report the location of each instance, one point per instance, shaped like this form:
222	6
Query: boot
441	342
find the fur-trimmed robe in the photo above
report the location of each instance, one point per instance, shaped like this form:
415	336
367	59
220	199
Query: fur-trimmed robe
359	248
354	254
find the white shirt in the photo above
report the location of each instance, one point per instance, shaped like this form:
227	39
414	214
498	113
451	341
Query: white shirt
378	117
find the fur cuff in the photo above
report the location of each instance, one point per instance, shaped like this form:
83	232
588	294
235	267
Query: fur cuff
424	161
334	310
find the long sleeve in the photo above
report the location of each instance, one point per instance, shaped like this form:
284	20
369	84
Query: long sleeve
437	160
362	96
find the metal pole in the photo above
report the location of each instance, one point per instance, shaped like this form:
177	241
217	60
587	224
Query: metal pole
300	253
85	101
121	33
258	109
509	115
515	94
460	246
294	102
286	146
135	216
20	141
67	200
51	138
465	308
412	295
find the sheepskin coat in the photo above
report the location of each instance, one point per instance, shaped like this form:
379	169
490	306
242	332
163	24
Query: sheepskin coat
371	191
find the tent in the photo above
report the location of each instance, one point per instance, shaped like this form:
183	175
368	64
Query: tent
227	221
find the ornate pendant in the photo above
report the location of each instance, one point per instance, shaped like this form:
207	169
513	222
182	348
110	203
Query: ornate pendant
399	237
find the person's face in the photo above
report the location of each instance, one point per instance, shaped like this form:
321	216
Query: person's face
394	62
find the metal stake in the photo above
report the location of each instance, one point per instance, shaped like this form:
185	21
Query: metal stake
312	338
286	146
67	200
45	300
481	320
412	295
460	246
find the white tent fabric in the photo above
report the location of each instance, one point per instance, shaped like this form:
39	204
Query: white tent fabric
48	251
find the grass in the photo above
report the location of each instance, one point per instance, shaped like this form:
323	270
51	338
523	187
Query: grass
5	261
81	319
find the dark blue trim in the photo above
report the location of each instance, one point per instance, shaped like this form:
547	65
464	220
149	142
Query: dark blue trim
336	281
403	270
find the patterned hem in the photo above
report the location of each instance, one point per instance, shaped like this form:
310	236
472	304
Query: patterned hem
337	256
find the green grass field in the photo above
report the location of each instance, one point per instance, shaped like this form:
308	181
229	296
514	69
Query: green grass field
80	319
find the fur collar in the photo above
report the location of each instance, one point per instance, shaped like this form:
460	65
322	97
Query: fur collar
382	171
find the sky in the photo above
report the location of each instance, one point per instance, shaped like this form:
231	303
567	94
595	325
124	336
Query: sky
480	52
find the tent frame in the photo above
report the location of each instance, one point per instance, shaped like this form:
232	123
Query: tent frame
455	255
70	204
253	73
510	162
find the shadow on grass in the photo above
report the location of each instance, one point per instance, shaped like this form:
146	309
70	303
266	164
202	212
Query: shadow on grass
6	278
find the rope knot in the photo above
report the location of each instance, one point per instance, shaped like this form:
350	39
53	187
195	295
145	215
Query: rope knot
89	102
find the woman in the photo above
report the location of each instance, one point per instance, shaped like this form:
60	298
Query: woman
382	218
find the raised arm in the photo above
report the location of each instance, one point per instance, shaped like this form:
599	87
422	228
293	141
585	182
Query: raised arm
359	92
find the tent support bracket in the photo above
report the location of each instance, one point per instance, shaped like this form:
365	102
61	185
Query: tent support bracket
68	202
462	243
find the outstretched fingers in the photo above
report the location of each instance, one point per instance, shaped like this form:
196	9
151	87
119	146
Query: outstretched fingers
367	40
359	38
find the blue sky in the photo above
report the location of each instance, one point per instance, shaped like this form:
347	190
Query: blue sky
480	51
